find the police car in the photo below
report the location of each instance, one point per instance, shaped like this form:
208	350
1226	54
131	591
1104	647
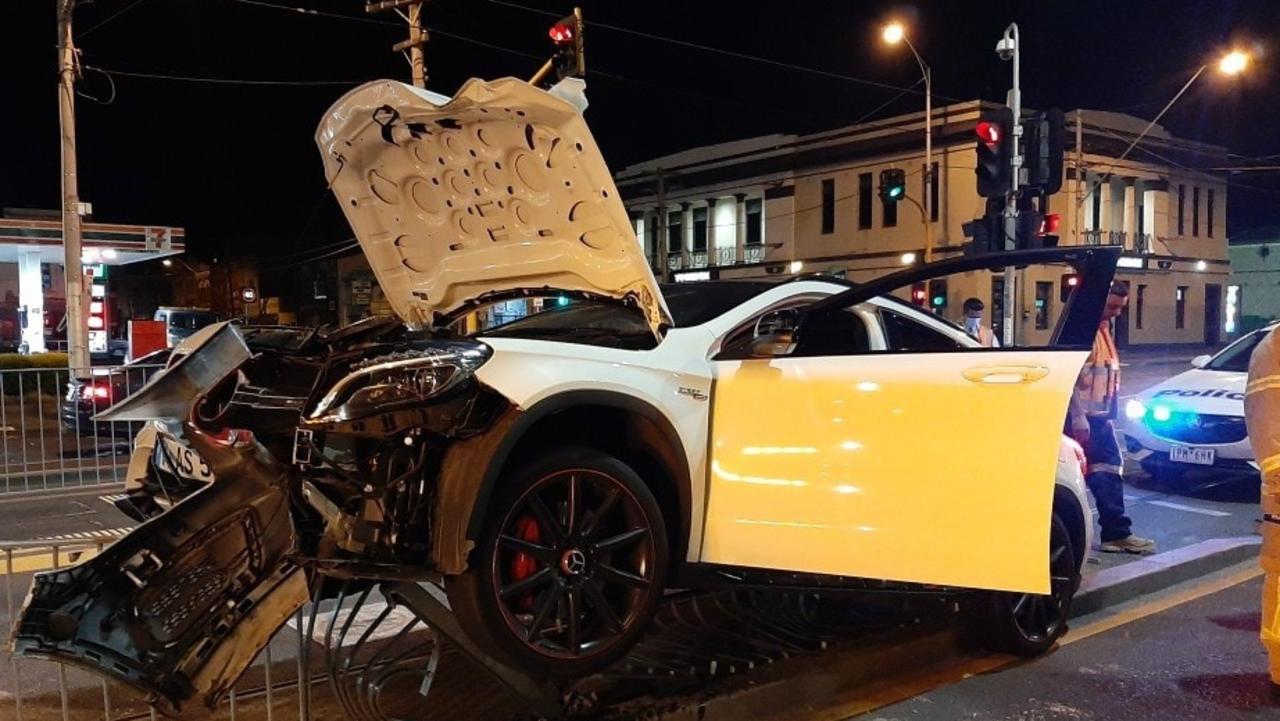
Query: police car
1195	420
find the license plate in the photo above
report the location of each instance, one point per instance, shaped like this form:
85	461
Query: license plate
1187	454
183	460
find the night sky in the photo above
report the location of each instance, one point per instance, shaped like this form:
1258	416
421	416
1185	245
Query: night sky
236	164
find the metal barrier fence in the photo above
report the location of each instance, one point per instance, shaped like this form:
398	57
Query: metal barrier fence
48	439
35	690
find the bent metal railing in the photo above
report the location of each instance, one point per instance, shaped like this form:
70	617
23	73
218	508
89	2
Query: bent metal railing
36	690
48	440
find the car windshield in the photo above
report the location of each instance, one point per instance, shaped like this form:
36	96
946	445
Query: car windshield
588	320
580	321
1235	357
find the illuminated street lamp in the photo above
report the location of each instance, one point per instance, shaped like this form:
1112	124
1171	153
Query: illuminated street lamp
1231	64
894	33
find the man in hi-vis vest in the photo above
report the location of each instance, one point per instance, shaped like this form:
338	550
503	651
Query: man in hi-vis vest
1090	422
1262	414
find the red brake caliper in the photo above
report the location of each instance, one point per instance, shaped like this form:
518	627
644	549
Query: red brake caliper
522	564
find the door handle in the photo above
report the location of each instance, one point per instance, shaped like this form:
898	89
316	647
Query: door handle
1005	374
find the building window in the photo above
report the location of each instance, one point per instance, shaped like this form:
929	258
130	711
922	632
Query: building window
933	192
755	222
997	308
828	206
1208	214
1139	306
1044	298
1180	308
1195	212
864	201
675	232
651	225
888	213
699	230
1182	205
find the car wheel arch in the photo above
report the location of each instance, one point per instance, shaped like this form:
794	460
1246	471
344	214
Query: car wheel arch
1066	505
650	445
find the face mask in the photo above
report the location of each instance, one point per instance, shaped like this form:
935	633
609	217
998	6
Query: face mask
971	325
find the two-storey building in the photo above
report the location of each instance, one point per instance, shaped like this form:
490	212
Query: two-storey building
776	205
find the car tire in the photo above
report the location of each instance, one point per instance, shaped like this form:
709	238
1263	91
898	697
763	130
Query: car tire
1026	624
570	566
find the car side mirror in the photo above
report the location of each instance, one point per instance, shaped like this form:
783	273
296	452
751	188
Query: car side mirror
1201	361
775	333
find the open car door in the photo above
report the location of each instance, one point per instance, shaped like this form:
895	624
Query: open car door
933	467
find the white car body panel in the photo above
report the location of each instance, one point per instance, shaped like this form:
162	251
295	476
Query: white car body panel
675	378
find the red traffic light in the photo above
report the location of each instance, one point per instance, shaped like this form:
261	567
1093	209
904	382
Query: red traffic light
988	131
1050	224
561	33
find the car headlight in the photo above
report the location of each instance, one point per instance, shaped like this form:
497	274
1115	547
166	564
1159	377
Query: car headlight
1135	409
399	379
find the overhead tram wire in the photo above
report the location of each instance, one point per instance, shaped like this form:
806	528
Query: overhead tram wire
729	53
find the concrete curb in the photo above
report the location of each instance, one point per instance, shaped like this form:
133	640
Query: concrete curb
1116	585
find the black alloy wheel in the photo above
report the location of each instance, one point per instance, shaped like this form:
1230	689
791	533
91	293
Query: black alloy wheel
570	573
1027	624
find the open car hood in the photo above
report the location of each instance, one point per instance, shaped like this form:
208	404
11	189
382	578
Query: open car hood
499	192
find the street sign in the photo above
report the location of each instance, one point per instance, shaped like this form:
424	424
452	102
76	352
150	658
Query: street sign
249	294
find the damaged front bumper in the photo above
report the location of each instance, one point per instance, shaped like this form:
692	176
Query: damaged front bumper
181	606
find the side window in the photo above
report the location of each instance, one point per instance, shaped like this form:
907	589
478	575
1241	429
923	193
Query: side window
842	332
902	333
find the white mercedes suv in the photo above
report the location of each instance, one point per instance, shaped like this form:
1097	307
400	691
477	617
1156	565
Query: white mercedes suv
558	473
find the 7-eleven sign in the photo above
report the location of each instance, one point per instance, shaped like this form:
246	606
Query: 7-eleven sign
158	238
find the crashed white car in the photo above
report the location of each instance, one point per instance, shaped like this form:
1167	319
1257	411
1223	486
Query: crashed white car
557	474
1195	420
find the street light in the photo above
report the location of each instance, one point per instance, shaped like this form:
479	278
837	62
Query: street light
1231	64
894	33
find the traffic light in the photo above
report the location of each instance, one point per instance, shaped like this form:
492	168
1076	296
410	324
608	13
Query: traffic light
938	295
995	150
987	232
1036	229
1043	141
919	295
1069	283
566	34
893	185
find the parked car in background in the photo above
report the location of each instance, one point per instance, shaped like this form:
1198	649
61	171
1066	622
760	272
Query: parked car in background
1195	420
105	387
181	322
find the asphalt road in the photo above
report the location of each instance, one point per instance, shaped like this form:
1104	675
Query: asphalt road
1194	661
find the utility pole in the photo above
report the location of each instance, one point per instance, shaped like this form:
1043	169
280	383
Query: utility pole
417	35
1009	48
663	251
73	274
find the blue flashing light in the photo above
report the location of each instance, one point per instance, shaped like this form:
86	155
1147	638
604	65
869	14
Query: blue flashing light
1161	413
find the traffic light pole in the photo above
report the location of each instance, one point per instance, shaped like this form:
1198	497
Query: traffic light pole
1009	48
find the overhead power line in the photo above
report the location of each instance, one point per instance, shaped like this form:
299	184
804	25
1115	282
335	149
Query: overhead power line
220	81
731	53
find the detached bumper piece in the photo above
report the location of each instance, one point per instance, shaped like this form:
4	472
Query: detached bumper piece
181	606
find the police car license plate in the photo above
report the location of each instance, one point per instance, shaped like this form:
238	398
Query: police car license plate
1188	454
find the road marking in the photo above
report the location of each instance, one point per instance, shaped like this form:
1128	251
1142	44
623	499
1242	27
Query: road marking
111	500
99	534
1189	509
370	613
